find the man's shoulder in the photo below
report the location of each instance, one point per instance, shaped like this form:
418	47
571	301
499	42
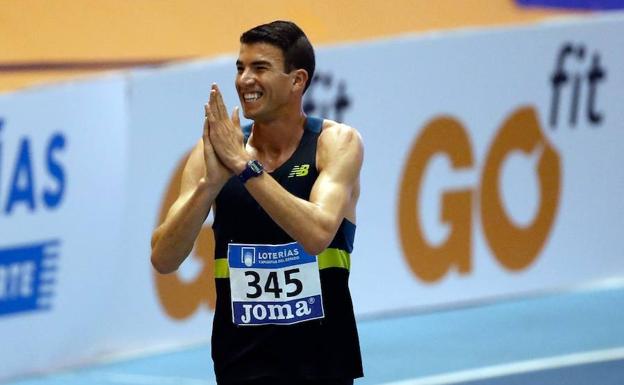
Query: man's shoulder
329	124
339	141
333	132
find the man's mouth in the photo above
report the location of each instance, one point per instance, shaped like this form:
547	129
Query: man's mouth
252	96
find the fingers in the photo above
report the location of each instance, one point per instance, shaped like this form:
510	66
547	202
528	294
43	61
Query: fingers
216	111
235	117
212	105
220	105
206	121
216	103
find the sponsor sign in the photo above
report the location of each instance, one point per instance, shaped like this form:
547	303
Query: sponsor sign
27	277
61	204
32	182
475	168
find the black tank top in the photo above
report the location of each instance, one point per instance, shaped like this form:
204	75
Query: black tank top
315	349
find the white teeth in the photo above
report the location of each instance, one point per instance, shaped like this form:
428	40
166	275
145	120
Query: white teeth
252	96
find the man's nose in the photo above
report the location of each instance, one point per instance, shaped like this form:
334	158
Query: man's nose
247	77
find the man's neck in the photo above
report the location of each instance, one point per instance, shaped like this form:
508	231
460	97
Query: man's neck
279	135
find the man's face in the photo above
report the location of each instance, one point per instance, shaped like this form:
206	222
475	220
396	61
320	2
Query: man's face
263	88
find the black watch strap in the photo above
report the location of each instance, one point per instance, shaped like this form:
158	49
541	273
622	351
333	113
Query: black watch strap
253	169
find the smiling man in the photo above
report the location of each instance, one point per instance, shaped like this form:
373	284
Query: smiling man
284	191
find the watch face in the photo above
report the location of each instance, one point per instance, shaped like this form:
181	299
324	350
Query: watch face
253	169
256	166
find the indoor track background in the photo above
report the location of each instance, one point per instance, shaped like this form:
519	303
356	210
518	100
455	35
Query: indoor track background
571	336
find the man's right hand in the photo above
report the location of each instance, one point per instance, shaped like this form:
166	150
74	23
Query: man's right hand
216	173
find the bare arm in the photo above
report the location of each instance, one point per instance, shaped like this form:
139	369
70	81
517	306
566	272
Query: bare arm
202	179
314	223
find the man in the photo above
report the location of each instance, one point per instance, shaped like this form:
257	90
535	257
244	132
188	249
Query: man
284	194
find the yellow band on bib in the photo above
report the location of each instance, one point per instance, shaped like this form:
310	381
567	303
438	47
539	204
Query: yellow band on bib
327	259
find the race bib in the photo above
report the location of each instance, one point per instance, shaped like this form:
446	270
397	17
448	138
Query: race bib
274	284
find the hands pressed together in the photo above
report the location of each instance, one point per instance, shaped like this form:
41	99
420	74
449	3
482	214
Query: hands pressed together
224	150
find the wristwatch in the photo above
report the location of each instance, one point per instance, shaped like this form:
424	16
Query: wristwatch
253	169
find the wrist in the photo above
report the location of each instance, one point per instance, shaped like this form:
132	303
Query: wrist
253	169
240	164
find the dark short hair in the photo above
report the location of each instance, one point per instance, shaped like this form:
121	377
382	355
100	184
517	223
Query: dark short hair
287	36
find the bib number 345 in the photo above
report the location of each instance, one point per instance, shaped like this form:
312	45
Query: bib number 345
293	285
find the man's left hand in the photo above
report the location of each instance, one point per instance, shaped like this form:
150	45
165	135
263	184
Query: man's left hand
225	133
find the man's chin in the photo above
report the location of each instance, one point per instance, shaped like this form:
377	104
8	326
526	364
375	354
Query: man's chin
252	115
248	114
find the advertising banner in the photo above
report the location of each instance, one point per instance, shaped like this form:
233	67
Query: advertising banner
492	163
62	166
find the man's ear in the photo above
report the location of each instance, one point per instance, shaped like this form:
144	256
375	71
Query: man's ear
300	79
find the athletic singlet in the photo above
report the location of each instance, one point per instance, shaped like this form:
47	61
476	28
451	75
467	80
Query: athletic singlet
325	346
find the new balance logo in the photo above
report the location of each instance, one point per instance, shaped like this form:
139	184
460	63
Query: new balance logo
299	170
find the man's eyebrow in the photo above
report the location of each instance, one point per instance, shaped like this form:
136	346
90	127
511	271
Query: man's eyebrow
261	62
255	63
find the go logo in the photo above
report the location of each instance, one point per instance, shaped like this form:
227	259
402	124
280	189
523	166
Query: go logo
179	297
515	247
